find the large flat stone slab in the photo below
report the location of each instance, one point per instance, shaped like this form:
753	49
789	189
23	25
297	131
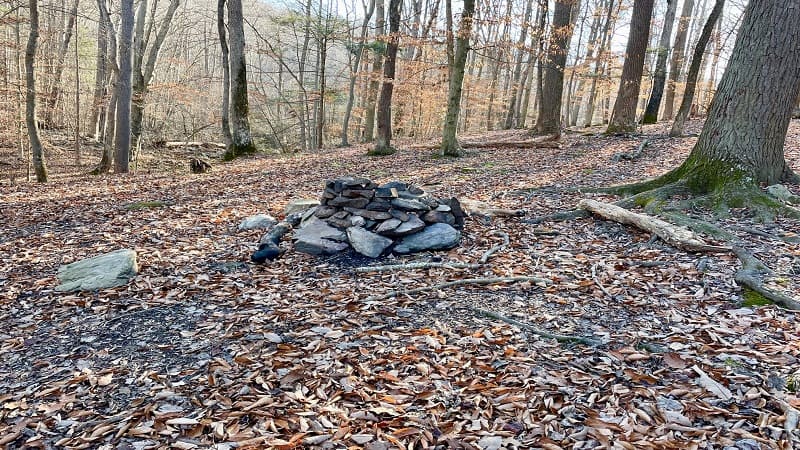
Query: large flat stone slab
100	272
439	236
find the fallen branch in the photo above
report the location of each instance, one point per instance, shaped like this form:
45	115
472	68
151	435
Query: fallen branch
466	281
560	216
750	277
674	235
536	143
478	207
632	156
496	248
530	328
416	265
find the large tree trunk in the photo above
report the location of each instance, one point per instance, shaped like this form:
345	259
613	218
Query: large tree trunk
384	113
742	142
37	152
241	140
549	118
108	130
623	118
374	82
226	75
676	64
599	64
450	145
694	69
660	77
122	132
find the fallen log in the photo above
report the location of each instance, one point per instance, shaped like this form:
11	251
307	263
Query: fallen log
484	209
671	234
496	144
181	144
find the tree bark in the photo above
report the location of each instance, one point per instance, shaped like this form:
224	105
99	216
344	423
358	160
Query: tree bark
122	132
109	125
660	77
549	119
694	70
598	62
39	164
742	142
513	106
226	75
623	118
384	113
241	140
100	81
450	145
676	64
374	82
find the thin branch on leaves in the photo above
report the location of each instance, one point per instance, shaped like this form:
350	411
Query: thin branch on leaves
464	282
416	265
531	329
506	240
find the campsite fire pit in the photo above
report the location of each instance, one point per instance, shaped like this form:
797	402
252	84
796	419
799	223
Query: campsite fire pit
394	217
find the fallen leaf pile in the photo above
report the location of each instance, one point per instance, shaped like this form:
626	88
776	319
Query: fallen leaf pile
205	350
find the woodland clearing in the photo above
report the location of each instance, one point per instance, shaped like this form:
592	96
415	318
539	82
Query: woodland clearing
206	350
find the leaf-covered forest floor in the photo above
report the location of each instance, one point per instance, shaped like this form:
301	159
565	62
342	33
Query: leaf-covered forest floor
204	349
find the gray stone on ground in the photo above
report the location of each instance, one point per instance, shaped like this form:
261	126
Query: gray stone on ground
409	205
367	243
387	226
318	238
257	222
100	272
410	226
783	194
438	236
300	205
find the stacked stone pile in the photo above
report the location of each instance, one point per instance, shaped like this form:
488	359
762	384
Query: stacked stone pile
373	219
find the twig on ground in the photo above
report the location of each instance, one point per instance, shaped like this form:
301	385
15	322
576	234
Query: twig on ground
466	281
750	277
632	156
598	283
416	265
530	328
506	240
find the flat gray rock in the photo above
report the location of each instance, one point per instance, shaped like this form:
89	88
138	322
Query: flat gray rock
300	205
410	226
409	205
257	222
318	238
439	236
367	243
100	272
783	194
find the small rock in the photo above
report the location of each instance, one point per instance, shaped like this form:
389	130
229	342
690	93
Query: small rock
367	243
323	212
300	205
409	205
351	202
438	236
353	193
410	226
397	185
444	208
401	215
783	194
358	221
257	222
319	238
378	205
266	251
439	217
383	192
387	226
372	215
101	272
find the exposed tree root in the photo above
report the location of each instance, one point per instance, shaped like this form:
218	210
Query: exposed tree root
750	278
563	338
560	216
674	235
466	281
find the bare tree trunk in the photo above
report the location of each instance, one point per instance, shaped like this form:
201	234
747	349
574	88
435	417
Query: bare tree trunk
651	112
109	129
55	91
242	141
100	81
356	65
599	64
623	118
122	131
515	77
676	64
374	82
450	145
549	118
694	69
39	164
384	113
226	75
